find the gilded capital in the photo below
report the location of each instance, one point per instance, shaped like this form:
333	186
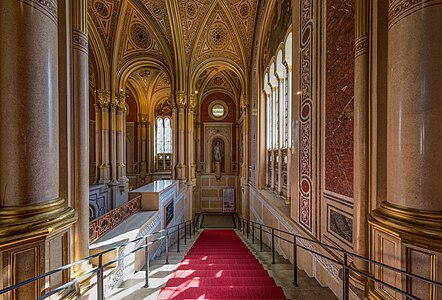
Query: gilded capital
244	104
192	102
180	99
144	118
121	101
103	98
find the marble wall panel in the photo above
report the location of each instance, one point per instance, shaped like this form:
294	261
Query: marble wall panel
339	96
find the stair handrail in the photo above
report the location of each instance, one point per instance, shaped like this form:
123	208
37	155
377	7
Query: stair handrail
100	269
346	267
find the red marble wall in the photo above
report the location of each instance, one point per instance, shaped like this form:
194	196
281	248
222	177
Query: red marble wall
339	97
132	117
230	118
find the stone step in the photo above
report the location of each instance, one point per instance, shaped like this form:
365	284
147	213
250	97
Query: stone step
282	272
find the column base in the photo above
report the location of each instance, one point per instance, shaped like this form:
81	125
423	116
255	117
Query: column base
407	239
104	173
33	240
181	171
357	280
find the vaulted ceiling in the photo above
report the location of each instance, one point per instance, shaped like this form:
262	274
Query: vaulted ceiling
192	32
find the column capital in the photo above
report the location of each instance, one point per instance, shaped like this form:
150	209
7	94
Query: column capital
192	102
180	99
121	101
103	98
143	118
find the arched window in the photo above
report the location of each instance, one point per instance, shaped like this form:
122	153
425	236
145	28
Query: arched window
163	136
278	100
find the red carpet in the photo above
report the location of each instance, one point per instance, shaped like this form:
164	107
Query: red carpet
220	266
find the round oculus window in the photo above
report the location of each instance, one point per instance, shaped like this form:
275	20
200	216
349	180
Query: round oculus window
218	110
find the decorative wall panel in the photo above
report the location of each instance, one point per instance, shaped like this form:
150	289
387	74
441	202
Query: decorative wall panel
107	222
306	109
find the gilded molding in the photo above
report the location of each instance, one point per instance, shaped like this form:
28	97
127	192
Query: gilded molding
103	98
23	222
47	7
419	223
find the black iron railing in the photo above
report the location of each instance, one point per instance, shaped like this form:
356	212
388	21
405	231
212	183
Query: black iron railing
245	225
164	234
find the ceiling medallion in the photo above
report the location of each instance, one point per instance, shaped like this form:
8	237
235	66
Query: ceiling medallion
244	10
140	36
157	10
218	80
191	9
144	73
101	9
218	36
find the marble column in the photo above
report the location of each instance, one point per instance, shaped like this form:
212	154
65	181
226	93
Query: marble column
413	211
80	87
113	139
190	155
97	142
190	137
244	180
361	138
143	138
180	99
280	133
120	137
103	98
35	223
275	152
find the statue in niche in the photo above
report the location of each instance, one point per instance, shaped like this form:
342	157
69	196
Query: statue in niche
218	154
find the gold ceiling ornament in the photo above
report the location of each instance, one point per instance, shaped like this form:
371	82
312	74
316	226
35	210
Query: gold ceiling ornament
23	222
415	222
103	98
180	99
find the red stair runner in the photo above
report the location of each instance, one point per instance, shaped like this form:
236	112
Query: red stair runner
220	266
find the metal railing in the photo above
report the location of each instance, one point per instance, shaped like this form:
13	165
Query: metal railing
166	234
244	225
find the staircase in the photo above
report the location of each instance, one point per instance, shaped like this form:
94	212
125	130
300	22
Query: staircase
220	266
217	267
